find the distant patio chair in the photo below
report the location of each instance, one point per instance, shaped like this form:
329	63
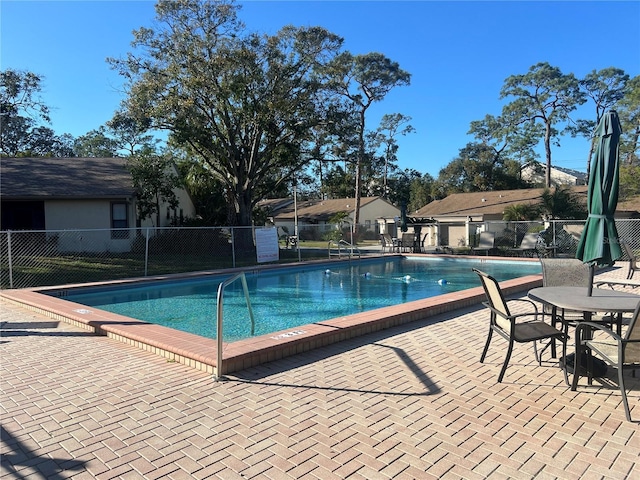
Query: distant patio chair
564	272
486	243
528	246
616	351
571	272
387	243
407	242
633	260
506	325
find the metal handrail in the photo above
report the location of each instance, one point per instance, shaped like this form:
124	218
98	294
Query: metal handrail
350	248
219	318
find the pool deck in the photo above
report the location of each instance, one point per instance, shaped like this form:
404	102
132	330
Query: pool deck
201	353
409	402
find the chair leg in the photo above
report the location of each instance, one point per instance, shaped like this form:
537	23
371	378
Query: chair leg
576	363
564	358
554	322
506	361
623	390
486	345
589	365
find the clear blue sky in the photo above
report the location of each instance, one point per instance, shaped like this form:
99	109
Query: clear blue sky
459	54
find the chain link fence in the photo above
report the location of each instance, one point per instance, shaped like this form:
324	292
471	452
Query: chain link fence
41	258
558	236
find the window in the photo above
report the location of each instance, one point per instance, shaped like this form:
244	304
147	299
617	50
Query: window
119	219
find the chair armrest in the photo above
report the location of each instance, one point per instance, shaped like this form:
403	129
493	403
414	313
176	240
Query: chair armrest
622	343
512	318
581	326
526	300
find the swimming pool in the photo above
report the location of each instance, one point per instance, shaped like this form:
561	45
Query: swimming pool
290	297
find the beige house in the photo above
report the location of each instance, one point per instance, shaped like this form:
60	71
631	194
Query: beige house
376	214
461	215
536	174
49	194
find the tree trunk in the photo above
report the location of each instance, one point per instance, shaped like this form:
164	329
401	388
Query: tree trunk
591	149
356	214
157	212
243	237
631	157
547	149
385	193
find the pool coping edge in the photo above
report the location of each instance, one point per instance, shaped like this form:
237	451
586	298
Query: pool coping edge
201	353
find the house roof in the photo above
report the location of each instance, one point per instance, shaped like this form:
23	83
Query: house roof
485	203
569	171
64	178
536	172
273	205
322	209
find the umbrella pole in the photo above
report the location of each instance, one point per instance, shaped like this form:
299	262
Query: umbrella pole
592	269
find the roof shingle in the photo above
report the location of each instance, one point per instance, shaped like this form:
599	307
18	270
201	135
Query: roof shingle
37	177
322	209
485	203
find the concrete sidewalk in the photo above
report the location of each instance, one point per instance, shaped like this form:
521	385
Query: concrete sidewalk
411	402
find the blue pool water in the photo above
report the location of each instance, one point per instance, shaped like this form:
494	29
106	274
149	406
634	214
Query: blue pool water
289	297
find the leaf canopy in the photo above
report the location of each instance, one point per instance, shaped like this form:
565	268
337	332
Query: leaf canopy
244	104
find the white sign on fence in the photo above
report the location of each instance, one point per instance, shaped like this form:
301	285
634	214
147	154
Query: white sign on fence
267	245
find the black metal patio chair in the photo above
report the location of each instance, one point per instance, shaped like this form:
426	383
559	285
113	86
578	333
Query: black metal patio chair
486	243
510	327
633	260
622	353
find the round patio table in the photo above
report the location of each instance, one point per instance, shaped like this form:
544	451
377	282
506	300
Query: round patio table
576	299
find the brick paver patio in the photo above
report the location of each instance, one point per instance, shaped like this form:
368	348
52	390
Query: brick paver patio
411	402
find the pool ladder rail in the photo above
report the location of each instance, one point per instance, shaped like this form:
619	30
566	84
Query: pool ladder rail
220	318
342	247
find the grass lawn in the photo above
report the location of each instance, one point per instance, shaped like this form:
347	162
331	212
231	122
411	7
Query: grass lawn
40	270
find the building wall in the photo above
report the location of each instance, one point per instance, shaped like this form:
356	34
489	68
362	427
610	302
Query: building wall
453	235
377	209
94	215
185	210
388	225
370	216
66	214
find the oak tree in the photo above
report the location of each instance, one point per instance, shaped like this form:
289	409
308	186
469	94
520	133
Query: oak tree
242	104
22	111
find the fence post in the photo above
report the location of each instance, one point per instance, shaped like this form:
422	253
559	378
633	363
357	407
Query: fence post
146	253
233	247
10	259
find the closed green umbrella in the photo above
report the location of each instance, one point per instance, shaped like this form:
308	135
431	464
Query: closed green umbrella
599	244
403	218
